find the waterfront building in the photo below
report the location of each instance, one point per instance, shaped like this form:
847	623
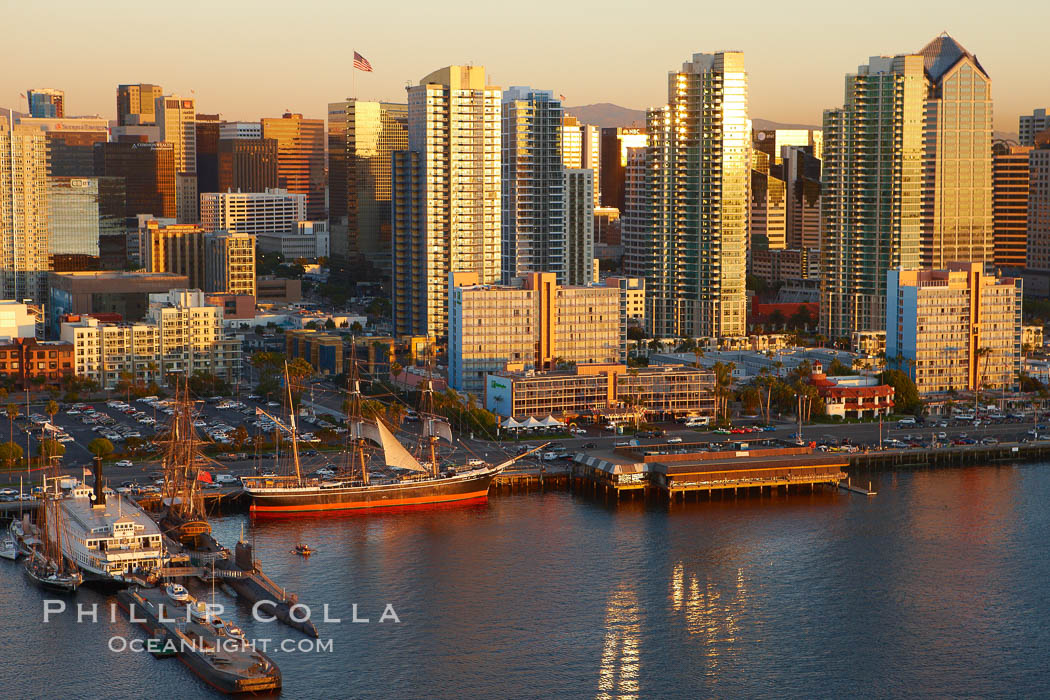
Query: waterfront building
447	195
957	223
46	103
855	397
700	147
871	197
25	229
176	119
614	144
1010	204
148	170
540	324
534	186
82	209
579	227
271	212
246	165
229	262
300	159
324	351
106	352
176	248
870	343
597	391
136	104
954	329
1032	124
123	293
1039	208
639	255
362	138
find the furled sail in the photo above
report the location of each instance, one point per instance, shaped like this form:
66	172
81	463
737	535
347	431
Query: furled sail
394	452
437	427
365	430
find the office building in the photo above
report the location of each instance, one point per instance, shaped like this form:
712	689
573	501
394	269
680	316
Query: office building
871	196
208	152
957	156
136	104
17	320
615	141
71	143
636	231
148	170
324	351
578	265
362	136
229	263
603	391
777	266
82	209
700	146
122	293
25	230
1010	204
176	119
1039	208
581	148
954	329
447	203
768	212
175	248
632	298
246	165
801	173
191	335
240	130
107	352
1032	124
310	240
772	142
534	182
539	325
46	103
300	159
273	211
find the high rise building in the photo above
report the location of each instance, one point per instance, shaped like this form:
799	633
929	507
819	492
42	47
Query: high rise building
954	329
240	130
136	104
614	142
177	248
581	148
71	143
578	263
801	171
148	170
1039	208
957	156
772	142
636	229
247	165
229	263
447	204
700	150
300	158
24	211
871	194
533	181
1032	124
768	211
208	152
1010	204
46	103
177	121
81	210
191	335
256	213
362	136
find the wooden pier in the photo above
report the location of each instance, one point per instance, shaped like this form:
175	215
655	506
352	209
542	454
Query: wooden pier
530	480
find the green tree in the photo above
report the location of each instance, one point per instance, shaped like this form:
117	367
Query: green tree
329	325
51	410
905	395
837	369
100	447
12	413
47	449
10	453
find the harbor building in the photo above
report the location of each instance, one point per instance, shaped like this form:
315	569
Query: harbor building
954	329
541	325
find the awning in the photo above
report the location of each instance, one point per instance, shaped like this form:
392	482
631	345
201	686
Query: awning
510	423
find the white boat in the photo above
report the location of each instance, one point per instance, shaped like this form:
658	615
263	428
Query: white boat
198	611
233	631
177	592
9	550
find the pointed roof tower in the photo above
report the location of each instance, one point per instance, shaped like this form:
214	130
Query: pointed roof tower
941	54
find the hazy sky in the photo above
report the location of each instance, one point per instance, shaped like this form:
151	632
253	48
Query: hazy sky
251	59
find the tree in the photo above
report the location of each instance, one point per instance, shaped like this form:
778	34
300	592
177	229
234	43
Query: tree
10	453
100	447
905	395
356	327
395	370
51	410
329	325
837	368
12	414
776	320
51	448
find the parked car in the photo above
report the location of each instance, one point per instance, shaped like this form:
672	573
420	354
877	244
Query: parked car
674	440
125	463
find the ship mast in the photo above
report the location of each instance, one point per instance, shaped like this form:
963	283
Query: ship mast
426	412
295	437
353	415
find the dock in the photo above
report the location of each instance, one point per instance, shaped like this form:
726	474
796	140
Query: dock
530	480
847	486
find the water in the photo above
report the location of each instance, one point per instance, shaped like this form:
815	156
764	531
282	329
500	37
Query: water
938	585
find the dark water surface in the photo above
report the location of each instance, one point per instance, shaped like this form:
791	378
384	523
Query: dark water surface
940	585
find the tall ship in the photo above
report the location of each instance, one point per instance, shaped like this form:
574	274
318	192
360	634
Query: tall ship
184	518
46	565
410	482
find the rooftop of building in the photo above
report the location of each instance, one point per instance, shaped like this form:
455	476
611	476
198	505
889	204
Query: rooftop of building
942	53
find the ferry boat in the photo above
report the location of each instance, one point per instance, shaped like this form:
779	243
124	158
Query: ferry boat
424	484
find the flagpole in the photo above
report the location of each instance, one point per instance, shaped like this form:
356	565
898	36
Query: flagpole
353	70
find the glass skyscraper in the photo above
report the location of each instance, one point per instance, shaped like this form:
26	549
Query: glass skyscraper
81	210
46	103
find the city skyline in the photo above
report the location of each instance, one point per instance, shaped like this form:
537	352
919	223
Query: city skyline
404	51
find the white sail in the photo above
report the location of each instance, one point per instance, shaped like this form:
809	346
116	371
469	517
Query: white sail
394	452
365	430
437	427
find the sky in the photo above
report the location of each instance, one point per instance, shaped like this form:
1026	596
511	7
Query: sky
252	59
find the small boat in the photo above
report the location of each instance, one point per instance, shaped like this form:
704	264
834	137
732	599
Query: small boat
177	592
9	550
199	611
233	631
303	550
46	575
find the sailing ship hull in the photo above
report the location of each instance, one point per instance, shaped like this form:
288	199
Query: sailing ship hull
279	502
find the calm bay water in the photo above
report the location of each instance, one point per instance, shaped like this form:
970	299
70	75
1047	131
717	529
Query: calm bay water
939	585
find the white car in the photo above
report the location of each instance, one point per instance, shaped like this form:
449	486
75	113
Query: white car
325	472
674	440
125	463
475	463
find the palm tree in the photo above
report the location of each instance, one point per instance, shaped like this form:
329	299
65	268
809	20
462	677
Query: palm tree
12	414
51	410
978	354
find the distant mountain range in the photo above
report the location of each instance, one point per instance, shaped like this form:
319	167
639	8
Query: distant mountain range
608	114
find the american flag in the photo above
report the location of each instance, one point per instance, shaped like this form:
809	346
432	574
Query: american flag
361	63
